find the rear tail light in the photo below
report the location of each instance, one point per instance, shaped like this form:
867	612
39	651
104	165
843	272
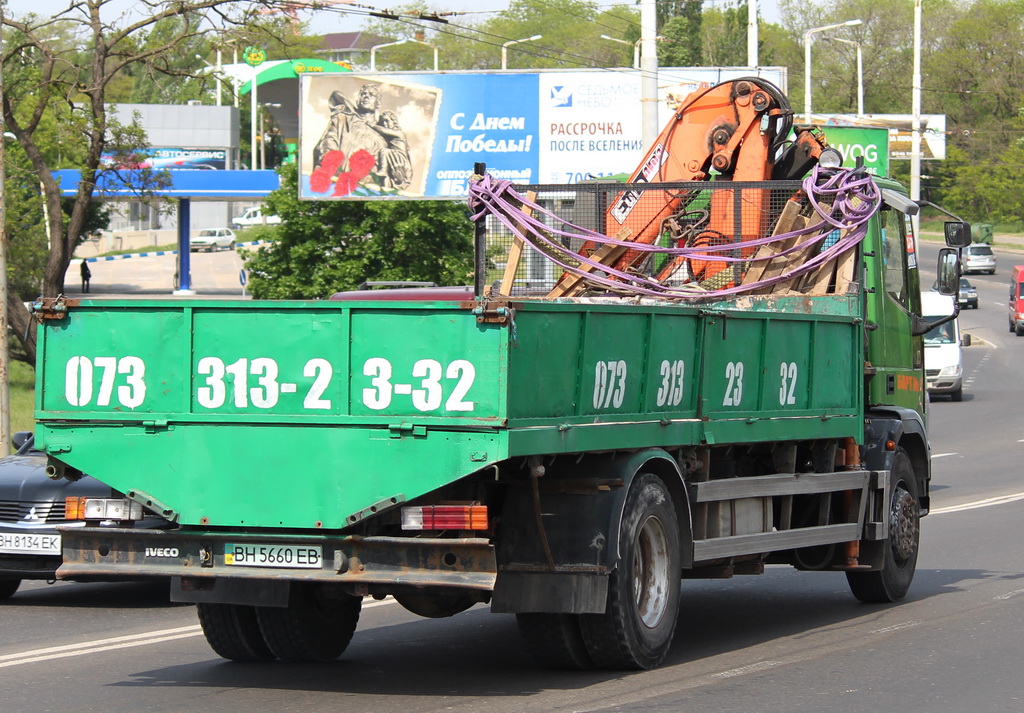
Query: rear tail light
445	517
120	509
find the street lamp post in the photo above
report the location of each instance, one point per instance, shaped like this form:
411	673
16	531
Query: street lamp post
504	48
5	393
860	70
807	61
373	51
263	132
635	45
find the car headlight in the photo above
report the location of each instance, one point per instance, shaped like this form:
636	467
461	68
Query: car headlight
950	371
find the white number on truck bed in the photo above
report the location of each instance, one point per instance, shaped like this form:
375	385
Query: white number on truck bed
609	384
428	392
80	375
266	391
734	389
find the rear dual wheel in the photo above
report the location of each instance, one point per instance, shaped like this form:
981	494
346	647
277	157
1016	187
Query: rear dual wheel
314	627
636	629
233	632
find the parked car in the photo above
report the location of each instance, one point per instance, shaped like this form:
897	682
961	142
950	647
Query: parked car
968	294
210	239
978	258
254	216
31	508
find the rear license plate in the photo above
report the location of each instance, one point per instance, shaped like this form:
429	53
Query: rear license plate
287	556
29	543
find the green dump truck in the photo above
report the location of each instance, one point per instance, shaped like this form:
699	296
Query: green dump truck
571	460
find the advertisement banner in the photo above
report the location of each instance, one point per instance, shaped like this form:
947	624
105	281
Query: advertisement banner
419	134
871	145
171	158
900	128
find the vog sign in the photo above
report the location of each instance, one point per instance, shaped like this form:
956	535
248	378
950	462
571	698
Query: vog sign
871	145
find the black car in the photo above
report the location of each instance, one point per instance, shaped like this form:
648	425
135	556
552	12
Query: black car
31	507
968	294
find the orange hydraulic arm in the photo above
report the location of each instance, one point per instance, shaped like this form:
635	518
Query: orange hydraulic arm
736	129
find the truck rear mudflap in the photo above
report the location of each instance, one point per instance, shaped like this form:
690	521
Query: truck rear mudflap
362	562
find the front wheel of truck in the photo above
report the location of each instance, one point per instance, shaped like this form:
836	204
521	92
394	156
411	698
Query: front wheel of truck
233	632
636	630
891	583
314	627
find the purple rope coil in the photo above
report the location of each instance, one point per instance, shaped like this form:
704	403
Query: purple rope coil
855	198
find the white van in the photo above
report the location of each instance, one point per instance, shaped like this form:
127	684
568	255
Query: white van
943	366
254	216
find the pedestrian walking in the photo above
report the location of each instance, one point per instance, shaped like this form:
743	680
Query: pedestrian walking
86	276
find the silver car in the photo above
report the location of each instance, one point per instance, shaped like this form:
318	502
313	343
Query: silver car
978	258
31	508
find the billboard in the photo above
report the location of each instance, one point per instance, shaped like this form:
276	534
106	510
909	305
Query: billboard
900	127
419	134
869	144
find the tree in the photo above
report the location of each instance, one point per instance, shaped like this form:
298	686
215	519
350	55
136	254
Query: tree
80	62
682	32
325	247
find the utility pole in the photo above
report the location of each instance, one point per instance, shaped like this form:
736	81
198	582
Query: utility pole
5	353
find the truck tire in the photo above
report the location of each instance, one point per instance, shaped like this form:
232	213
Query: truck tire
555	640
8	587
891	583
313	627
636	630
957	395
233	633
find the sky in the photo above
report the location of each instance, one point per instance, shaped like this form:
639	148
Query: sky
335	20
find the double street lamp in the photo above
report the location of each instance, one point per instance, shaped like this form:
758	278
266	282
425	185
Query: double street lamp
504	48
373	51
635	45
808	36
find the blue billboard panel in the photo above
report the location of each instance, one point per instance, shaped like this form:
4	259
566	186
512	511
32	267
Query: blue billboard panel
419	134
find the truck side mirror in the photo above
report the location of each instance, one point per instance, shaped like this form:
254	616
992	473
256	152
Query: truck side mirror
948	282
958	234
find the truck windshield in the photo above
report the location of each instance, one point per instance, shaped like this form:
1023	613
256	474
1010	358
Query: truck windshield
943	334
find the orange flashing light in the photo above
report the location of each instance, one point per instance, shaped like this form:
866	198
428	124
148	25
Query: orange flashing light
890	445
74	508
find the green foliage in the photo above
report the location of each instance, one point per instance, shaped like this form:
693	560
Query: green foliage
682	32
324	247
22	396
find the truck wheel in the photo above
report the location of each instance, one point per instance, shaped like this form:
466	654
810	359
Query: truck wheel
8	587
555	640
957	395
636	630
891	583
233	632
313	627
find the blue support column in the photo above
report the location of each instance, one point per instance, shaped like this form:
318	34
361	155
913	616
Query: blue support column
184	262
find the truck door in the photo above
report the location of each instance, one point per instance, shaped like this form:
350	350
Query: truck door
891	276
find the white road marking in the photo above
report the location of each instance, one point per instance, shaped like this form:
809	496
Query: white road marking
896	627
120	642
988	502
1010	595
743	670
941	455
